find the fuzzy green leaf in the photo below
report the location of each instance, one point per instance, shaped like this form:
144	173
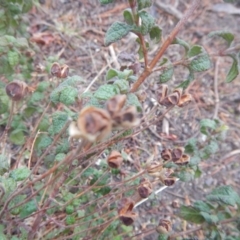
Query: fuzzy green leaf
13	58
201	63
117	31
202	206
68	95
234	70
140	50
227	36
166	74
143	4
127	14
133	100
28	208
21	43
105	1
111	73
20	174
206	124
44	142
147	22
195	50
156	34
224	195
2	235
17	137
209	149
185	176
9	185
191	214
211	219
123	85
4	164
106	91
59	119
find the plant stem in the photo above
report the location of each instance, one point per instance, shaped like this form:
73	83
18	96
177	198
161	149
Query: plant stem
168	41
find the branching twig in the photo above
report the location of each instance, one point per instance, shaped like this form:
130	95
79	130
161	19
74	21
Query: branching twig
165	45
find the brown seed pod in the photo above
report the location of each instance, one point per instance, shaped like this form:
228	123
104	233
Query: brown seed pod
125	205
166	154
115	104
64	71
16	90
179	91
94	123
177	153
127	118
164	226
128	218
161	92
185	100
73	131
56	70
184	160
171	100
169	181
145	189
115	159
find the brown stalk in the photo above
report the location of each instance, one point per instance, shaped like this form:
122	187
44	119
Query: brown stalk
168	41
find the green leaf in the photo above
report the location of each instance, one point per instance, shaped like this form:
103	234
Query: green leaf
123	85
185	176
147	22
28	208
45	141
17	137
191	146
234	70
167	73
106	91
4	164
20	174
2	235
198	173
191	214
111	73
195	160
13	58
201	63
27	6
132	100
206	124
105	1
4	100
203	206
195	50
9	185
211	219
227	36
182	43
224	195
68	95
117	31
127	14
209	149
59	119
143	4
156	34
21	43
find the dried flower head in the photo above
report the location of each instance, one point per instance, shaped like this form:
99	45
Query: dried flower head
164	226
185	100
154	169
64	71
171	100
56	70
184	160
145	189
16	90
166	154
126	215
126	118
94	123
115	159
161	92
177	153
169	181
115	104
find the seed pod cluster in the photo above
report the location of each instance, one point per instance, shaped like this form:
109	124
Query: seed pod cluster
59	71
95	124
125	211
176	155
175	98
17	90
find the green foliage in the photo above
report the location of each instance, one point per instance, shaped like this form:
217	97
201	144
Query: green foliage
143	4
59	119
4	164
206	125
181	43
17	137
234	70
156	34
127	14
147	22
227	36
106	1
167	73
20	174
224	195
117	31
106	91
191	214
